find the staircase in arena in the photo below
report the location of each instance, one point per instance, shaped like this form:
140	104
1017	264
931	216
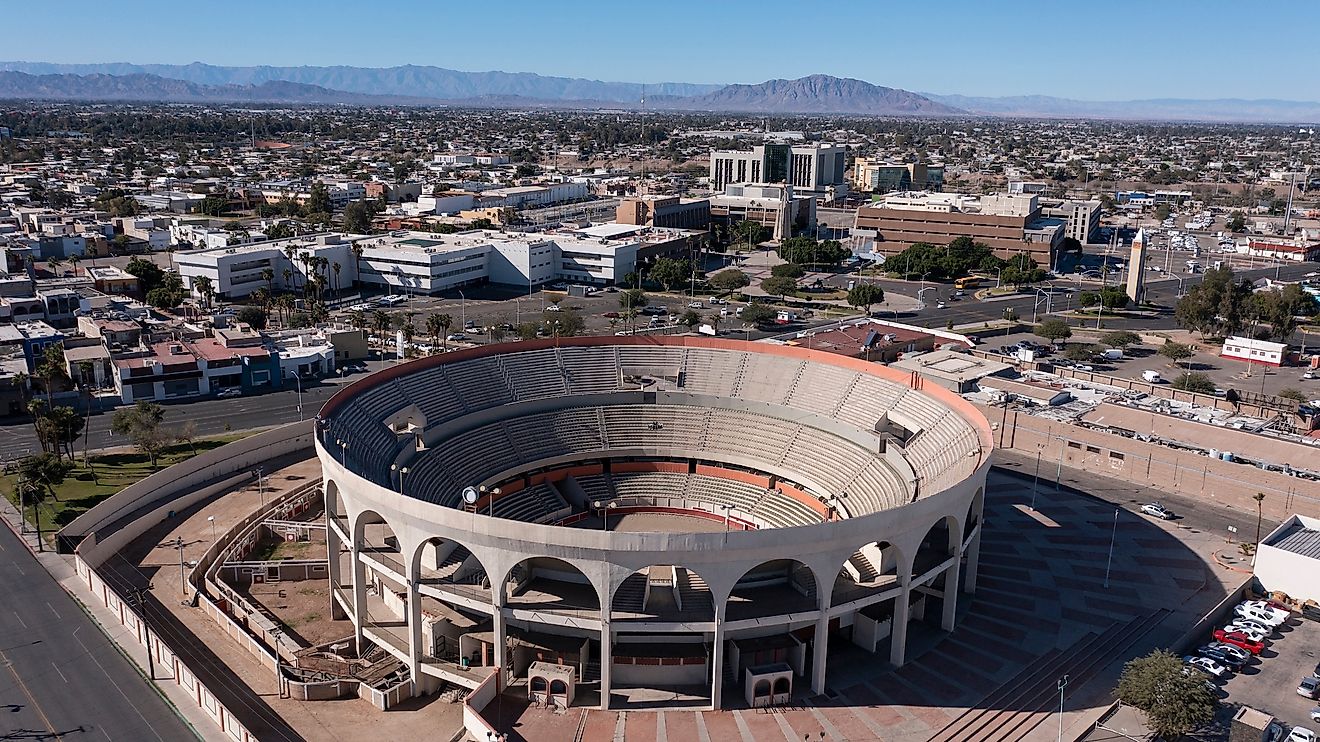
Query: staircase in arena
1030	697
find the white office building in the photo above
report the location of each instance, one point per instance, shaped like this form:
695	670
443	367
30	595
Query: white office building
816	169
237	270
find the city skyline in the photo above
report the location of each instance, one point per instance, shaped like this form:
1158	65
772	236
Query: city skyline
1172	50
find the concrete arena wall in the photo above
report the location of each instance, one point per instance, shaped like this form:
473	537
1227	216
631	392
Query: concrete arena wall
606	558
127	511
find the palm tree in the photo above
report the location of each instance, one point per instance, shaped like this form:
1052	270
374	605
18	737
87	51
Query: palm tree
357	258
268	275
204	289
409	332
288	279
73	264
434	329
87	372
53	266
289	250
50	366
357	319
381	321
337	267
445	321
714	320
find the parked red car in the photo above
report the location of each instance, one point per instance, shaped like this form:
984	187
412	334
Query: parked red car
1238	639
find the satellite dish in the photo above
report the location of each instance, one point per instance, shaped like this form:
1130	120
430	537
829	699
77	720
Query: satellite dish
470	495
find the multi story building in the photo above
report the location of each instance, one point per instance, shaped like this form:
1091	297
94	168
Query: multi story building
816	169
881	177
654	210
237	270
776	206
1082	218
1009	224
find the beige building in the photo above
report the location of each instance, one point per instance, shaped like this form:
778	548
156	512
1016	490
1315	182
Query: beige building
1009	224
664	211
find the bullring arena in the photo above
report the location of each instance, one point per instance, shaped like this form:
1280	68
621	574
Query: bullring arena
668	519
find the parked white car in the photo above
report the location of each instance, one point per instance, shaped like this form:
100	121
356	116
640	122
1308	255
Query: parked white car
1207	665
1156	510
1301	734
1268	616
1255	635
1278	615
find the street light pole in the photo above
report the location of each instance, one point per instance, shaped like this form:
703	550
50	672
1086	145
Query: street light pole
1035	481
1063	683
1113	535
183	578
211	519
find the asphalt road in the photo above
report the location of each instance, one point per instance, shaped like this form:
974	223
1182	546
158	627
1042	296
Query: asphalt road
210	416
1162	291
62	678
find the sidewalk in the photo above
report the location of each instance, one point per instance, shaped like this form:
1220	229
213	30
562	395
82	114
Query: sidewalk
62	570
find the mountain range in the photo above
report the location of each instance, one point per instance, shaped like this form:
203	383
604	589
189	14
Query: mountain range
428	85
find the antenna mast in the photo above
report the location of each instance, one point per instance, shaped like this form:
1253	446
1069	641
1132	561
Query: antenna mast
641	188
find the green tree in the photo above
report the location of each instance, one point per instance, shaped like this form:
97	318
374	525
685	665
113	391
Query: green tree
1053	329
748	234
443	322
142	424
1237	222
147	272
257	317
1175	697
60	427
780	286
1295	395
1114	297
632	298
669	272
214	205
1120	339
318	200
809	251
563	323
729	279
757	314
1176	352
788	270
690	318
205	290
1088	299
1194	381
51	370
357	218
1162	212
1080	352
280	231
865	296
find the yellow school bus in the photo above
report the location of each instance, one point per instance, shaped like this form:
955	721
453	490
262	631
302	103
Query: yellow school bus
970	282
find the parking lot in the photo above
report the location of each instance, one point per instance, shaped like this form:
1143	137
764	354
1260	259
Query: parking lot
1269	682
1224	372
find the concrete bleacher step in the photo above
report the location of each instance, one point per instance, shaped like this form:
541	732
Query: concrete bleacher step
1027	699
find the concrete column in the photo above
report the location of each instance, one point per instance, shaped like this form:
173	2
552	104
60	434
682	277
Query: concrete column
359	594
332	546
717	660
819	651
898	637
973	560
500	631
414	626
950	595
606	658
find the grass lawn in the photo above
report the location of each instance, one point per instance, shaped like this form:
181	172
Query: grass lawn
83	487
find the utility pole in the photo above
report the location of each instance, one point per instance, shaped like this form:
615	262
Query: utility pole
183	577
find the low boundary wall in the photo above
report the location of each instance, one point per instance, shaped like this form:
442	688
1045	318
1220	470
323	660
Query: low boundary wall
1146	464
108	526
136	508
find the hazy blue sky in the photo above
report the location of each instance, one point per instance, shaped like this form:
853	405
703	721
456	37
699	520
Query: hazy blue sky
1089	50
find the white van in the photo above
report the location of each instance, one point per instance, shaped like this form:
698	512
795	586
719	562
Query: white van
1112	354
1152	377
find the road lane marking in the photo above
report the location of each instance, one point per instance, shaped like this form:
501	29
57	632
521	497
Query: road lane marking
57	670
20	619
127	700
23	686
52	610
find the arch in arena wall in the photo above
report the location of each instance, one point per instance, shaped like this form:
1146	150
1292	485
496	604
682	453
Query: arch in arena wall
773	587
940	541
974	511
446	560
876	565
548	583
